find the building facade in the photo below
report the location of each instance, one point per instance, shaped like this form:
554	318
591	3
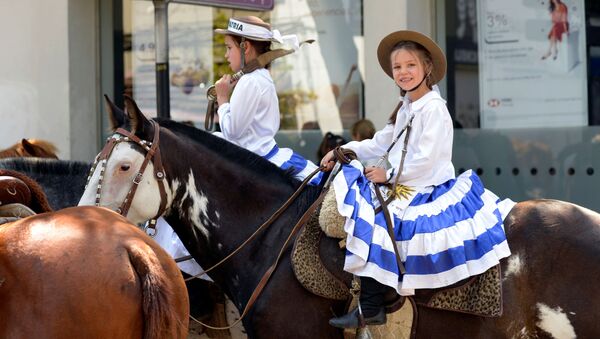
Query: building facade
522	80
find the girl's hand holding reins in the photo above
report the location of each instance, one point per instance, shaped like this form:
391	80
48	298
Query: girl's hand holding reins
377	175
224	86
327	161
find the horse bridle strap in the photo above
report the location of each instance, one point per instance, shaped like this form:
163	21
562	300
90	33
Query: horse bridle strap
152	153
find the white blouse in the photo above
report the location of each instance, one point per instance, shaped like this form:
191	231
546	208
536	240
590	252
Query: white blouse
429	157
251	118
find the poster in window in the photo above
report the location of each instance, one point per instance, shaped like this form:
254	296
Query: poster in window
532	63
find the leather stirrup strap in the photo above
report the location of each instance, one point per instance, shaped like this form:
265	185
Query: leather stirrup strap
390	227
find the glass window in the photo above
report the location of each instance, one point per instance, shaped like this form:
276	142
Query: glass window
319	86
522	64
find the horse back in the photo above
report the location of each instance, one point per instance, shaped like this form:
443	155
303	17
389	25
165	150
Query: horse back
83	272
550	277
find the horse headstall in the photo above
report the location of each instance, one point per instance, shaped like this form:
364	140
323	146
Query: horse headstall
152	153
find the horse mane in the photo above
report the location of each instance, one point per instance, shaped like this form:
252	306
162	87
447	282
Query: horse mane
255	163
63	181
44	165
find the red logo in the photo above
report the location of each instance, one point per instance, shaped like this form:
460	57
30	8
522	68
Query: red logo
493	102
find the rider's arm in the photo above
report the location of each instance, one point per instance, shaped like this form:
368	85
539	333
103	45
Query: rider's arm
235	116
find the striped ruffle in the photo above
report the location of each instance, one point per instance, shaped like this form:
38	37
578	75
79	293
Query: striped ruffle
286	158
444	233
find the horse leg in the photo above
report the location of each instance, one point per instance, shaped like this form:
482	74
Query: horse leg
161	302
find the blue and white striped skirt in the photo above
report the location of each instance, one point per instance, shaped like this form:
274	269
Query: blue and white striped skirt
444	233
286	158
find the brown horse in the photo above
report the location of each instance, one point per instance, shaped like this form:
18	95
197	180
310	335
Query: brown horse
217	194
86	272
30	148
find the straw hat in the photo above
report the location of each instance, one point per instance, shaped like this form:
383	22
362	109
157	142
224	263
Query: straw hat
437	55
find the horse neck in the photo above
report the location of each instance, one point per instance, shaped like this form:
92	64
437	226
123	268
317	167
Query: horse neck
218	205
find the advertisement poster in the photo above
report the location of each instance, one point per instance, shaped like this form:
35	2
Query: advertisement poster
532	63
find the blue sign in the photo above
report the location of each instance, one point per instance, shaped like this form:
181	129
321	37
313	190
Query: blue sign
255	5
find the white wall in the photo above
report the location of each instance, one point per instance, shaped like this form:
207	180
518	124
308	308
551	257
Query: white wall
34	72
48	74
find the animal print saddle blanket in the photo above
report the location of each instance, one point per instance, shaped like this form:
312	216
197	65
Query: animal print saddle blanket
318	262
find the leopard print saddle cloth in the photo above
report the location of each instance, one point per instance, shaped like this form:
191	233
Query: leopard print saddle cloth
318	261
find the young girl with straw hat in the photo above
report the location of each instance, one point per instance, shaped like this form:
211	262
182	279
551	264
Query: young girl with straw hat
445	228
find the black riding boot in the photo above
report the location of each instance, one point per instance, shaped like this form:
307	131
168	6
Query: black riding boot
371	304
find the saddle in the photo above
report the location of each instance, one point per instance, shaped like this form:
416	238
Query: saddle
20	197
318	261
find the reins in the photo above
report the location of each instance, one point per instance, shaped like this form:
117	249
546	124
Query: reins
260	228
264	280
153	153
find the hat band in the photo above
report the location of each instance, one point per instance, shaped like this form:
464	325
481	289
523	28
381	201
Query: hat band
258	32
249	30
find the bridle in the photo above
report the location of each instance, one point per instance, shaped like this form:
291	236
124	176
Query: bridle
152	153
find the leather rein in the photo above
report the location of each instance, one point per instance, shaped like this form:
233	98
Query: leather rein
152	154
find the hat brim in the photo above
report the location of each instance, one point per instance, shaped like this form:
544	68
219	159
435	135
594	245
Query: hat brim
228	32
437	55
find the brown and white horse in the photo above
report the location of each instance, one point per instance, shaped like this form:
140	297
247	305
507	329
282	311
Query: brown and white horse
218	194
86	272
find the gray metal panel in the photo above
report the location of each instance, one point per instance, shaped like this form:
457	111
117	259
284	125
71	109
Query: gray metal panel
521	164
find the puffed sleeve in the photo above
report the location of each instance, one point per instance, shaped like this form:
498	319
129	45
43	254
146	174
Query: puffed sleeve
432	143
236	115
375	147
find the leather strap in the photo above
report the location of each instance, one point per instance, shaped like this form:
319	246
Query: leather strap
152	153
265	279
260	62
390	228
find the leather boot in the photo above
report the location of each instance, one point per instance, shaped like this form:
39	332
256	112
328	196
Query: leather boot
371	303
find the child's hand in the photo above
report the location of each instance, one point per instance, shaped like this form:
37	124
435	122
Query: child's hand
327	161
377	175
224	86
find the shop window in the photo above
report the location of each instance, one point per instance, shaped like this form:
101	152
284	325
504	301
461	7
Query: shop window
522	64
319	87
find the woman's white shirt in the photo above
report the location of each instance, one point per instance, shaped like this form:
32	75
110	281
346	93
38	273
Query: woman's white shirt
251	117
429	157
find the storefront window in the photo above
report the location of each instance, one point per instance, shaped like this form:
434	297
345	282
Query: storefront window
319	86
520	64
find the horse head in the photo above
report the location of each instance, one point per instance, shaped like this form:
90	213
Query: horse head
122	166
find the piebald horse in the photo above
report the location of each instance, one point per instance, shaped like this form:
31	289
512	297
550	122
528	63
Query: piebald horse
217	194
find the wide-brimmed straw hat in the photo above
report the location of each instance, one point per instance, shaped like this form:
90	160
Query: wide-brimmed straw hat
254	28
437	55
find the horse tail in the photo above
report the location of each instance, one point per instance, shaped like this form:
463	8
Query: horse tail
158	297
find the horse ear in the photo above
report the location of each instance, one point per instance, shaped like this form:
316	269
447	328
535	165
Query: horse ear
28	147
137	119
115	114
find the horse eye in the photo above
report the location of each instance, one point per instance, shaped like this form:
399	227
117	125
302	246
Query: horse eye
125	167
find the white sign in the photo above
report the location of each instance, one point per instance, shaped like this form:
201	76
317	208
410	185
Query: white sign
532	63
